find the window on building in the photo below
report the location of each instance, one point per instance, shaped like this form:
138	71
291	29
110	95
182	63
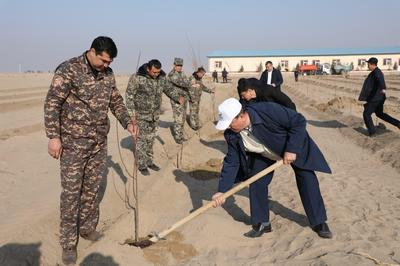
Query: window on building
284	63
218	64
316	62
335	61
361	62
304	62
387	61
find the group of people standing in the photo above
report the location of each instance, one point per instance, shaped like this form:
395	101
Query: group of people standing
76	107
143	101
261	128
224	74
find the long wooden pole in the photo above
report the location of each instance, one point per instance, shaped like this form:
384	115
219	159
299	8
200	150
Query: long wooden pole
210	204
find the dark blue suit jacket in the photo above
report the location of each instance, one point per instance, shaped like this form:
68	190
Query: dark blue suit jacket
280	129
374	84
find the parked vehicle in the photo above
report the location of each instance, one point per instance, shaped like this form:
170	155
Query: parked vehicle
324	69
308	69
339	69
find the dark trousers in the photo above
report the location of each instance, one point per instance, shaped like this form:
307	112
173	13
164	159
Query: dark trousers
377	108
307	185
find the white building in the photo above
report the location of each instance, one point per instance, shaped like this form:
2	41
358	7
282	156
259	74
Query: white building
250	61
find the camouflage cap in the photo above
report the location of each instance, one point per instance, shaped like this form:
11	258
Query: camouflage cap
178	61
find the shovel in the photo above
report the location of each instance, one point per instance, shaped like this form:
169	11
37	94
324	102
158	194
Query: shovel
157	236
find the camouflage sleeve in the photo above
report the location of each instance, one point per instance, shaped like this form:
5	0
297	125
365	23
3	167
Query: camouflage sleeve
57	94
170	90
179	80
118	107
192	90
130	95
204	88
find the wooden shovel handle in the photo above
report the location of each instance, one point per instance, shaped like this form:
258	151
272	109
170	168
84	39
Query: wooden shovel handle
210	204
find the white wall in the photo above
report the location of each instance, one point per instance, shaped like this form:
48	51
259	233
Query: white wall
250	64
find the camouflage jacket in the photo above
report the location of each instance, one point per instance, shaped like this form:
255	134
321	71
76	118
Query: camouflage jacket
195	93
144	94
78	101
181	82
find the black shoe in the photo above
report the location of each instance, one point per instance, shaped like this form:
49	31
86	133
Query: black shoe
144	171
92	236
258	230
154	167
381	126
323	230
69	256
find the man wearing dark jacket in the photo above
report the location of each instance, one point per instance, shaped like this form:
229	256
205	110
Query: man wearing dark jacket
257	136
374	93
252	89
271	76
143	101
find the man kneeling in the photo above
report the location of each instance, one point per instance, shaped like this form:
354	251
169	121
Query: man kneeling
257	136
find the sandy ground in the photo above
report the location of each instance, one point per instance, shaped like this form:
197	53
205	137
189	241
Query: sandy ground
362	196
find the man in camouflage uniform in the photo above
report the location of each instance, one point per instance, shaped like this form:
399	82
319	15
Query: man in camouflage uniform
181	83
143	100
76	120
195	96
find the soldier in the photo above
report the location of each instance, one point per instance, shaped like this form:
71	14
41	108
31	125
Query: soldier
224	76
180	82
215	76
195	95
82	91
143	100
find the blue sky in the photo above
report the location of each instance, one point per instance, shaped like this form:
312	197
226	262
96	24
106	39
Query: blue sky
41	34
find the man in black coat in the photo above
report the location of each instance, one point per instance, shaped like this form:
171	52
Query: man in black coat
271	76
374	93
224	76
252	89
215	76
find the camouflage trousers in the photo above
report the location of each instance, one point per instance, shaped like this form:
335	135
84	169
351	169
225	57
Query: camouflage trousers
83	167
194	118
179	114
147	134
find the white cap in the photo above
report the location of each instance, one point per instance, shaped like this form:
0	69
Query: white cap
228	110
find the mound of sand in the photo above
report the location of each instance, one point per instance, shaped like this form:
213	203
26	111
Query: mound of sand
338	103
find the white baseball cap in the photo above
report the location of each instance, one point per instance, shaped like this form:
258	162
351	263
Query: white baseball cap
228	110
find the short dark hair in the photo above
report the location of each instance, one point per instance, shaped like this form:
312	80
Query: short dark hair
105	44
154	63
246	84
268	62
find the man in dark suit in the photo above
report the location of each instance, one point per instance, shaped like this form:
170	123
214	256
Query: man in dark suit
374	93
257	136
251	89
271	76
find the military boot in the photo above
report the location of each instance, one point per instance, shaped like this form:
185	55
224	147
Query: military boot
69	256
92	236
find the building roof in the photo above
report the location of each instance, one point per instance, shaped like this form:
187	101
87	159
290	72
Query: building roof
305	52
